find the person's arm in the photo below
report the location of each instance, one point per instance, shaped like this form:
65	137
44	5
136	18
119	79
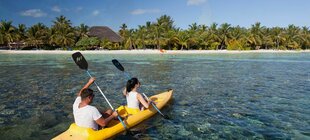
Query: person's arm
90	81
142	101
103	122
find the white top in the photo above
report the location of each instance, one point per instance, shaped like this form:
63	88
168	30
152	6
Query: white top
85	116
132	100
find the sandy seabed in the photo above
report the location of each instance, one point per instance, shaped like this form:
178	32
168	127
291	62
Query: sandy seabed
148	51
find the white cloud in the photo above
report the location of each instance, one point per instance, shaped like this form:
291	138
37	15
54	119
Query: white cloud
56	9
96	12
33	13
195	2
144	11
79	8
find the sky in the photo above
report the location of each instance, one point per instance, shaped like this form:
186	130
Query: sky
113	13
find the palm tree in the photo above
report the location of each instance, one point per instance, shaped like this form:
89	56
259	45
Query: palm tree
141	33
123	29
61	22
266	38
122	32
214	36
129	44
204	40
172	39
223	33
292	37
7	31
203	28
63	34
150	36
193	27
277	36
21	32
37	35
65	38
305	37
161	28
183	37
238	38
157	30
255	36
166	22
81	31
193	33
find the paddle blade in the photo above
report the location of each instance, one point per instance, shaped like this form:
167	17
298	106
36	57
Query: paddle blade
80	60
118	65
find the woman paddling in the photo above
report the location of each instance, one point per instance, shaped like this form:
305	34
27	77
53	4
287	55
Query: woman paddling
134	99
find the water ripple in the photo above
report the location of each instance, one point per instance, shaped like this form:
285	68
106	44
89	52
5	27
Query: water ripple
216	96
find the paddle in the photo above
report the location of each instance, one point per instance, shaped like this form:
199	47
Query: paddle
82	63
121	68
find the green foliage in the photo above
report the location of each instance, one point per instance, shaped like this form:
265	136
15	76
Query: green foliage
282	48
214	45
88	42
63	34
7	31
234	45
37	35
161	33
106	44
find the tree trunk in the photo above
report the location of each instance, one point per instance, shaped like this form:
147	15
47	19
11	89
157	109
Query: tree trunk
158	46
9	46
222	45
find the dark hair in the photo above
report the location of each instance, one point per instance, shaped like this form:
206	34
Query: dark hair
131	84
86	93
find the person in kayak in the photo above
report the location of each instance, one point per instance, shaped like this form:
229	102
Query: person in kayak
134	99
86	115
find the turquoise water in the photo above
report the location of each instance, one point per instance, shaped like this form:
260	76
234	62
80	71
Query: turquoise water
216	96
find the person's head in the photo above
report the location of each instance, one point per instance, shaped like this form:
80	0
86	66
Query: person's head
132	83
88	95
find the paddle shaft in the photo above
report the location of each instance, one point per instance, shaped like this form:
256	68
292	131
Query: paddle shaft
119	118
154	105
82	63
100	91
121	68
127	75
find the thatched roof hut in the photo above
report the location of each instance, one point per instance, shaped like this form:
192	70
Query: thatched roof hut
104	32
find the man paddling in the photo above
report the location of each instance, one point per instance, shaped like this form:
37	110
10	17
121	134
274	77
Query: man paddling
86	115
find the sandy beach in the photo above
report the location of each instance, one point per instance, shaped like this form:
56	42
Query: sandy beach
148	51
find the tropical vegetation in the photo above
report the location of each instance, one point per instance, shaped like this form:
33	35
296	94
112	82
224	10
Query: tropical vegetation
159	34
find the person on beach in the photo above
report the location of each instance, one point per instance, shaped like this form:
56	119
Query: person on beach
86	115
135	101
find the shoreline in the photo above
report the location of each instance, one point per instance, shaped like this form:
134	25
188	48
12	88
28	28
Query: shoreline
148	51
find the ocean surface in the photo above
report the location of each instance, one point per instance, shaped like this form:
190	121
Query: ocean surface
216	96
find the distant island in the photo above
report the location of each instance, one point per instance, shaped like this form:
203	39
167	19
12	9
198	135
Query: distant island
161	34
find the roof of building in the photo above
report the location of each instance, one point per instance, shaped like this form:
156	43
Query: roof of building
104	32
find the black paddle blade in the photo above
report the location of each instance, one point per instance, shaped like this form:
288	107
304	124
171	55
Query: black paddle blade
80	60
118	65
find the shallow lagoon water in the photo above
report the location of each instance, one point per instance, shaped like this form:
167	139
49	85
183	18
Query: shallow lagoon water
216	96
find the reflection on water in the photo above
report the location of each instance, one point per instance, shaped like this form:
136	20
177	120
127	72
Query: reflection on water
216	96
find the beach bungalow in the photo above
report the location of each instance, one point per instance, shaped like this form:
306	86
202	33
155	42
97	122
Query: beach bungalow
104	33
17	45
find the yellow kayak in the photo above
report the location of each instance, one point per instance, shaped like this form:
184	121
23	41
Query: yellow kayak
80	133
